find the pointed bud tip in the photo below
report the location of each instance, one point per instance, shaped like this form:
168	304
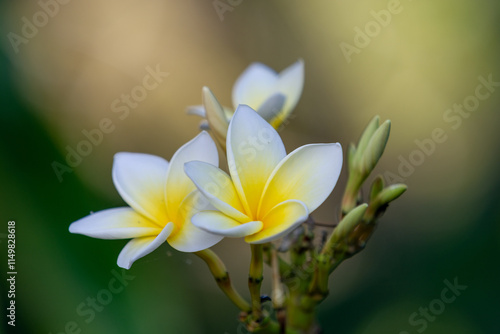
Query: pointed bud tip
391	193
386	124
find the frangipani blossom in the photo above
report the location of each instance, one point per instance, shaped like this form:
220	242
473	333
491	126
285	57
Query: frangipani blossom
259	84
162	201
273	95
268	193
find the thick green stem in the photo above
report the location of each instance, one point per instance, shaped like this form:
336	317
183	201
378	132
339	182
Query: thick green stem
255	281
301	313
218	270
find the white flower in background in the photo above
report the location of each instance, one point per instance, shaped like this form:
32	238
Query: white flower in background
268	192
273	95
162	201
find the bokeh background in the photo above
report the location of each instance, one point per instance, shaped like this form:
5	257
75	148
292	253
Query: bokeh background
64	77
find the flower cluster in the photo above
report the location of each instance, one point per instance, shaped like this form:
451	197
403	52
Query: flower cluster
266	195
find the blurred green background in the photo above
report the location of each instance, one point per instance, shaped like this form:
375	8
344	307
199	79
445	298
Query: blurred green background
410	67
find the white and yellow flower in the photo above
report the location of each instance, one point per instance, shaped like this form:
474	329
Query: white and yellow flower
273	95
162	201
267	193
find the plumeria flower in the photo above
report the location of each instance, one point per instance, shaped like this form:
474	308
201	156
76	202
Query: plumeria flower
273	95
162	200
268	193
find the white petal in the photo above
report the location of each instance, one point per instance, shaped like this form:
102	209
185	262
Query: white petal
187	237
217	187
308	174
140	181
271	108
254	148
117	223
201	148
259	82
218	223
254	85
196	110
291	83
281	220
140	247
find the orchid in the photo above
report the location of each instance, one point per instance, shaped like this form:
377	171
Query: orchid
267	193
273	95
162	201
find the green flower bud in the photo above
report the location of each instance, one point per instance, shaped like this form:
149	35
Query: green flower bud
344	228
390	193
363	159
379	203
365	139
375	147
349	222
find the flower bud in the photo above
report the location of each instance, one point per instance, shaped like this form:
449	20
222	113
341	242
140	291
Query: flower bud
382	199
217	121
375	147
390	193
344	229
349	222
365	139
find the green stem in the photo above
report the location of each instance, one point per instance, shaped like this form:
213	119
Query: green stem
350	197
301	313
255	281
319	282
218	270
278	295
